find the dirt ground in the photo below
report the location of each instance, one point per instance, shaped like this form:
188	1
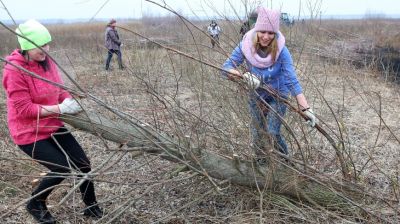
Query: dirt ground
179	96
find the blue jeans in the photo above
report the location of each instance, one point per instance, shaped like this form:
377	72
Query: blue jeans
109	56
266	120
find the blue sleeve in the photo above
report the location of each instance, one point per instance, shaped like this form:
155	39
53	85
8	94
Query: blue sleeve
234	61
291	81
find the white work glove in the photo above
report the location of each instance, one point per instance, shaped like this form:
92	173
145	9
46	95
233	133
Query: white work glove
69	106
252	81
312	120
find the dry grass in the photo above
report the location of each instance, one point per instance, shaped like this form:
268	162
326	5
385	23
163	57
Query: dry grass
181	96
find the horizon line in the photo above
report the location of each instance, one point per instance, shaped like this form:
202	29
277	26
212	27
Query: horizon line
324	17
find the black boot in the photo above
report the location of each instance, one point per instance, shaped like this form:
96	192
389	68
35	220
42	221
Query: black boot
93	211
38	209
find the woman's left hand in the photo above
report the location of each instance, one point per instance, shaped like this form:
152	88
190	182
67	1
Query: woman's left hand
252	81
69	106
312	120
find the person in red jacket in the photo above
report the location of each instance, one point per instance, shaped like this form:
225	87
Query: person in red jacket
33	109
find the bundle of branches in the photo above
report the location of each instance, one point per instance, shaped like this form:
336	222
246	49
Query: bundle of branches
277	175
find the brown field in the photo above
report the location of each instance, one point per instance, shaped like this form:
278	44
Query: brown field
348	76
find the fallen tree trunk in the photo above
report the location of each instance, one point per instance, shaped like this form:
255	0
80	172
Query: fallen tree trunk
278	178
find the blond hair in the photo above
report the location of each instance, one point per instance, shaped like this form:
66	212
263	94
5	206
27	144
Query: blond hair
271	49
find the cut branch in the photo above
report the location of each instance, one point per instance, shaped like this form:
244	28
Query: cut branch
279	178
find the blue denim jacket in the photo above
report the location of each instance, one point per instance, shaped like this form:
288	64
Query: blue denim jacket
280	76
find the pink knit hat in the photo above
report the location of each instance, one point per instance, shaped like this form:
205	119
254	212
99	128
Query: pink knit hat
267	20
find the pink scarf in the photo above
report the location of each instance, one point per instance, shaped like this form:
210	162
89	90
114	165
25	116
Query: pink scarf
250	52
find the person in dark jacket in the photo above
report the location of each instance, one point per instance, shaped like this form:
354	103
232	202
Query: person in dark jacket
247	25
113	44
33	109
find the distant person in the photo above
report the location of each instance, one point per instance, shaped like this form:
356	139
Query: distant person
269	63
213	30
113	44
33	109
247	25
244	28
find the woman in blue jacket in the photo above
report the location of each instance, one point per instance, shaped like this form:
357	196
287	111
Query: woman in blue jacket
268	63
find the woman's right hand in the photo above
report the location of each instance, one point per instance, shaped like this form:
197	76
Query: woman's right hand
234	75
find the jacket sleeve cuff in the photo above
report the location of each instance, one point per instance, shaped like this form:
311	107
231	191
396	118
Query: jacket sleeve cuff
296	92
64	95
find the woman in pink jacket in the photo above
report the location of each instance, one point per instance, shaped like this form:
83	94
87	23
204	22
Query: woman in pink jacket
33	107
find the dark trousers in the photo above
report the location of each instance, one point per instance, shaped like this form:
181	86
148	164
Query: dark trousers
109	56
49	154
214	40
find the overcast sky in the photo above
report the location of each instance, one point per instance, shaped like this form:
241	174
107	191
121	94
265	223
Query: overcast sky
86	9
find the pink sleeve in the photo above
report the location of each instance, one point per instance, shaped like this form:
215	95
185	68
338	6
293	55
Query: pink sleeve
18	95
63	93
